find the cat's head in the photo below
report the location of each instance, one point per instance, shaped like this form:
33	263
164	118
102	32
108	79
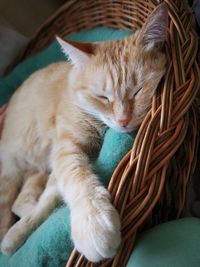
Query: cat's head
115	80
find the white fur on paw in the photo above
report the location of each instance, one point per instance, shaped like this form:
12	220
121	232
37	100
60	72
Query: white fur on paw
9	244
96	230
14	238
6	246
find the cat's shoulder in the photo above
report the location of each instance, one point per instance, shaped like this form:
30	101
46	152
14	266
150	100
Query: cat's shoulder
54	69
53	73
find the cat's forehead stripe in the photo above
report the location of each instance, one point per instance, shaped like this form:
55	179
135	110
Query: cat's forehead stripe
134	78
117	58
112	77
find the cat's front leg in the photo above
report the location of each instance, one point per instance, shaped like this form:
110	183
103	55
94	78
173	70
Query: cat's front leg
95	224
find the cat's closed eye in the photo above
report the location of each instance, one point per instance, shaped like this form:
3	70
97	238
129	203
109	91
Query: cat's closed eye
104	98
138	91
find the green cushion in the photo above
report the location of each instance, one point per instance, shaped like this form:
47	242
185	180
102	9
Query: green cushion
172	244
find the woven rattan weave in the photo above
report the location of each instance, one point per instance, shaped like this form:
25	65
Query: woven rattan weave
151	180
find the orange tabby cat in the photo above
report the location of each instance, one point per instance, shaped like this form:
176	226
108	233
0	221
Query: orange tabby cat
55	122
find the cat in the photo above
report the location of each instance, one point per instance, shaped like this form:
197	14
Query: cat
54	124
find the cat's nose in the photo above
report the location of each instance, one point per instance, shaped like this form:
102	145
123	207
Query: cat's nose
123	123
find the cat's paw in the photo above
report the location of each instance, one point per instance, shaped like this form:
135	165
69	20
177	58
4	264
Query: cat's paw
15	237
96	228
7	246
10	242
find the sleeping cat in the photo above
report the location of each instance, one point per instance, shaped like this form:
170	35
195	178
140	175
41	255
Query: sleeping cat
54	124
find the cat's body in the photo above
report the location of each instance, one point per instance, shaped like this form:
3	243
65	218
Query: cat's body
40	117
55	123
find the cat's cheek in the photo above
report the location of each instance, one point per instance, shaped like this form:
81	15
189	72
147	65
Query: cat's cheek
86	105
81	99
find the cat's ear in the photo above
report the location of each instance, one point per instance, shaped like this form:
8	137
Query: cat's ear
154	30
78	53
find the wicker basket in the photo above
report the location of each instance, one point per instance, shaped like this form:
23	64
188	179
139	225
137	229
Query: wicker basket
151	180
